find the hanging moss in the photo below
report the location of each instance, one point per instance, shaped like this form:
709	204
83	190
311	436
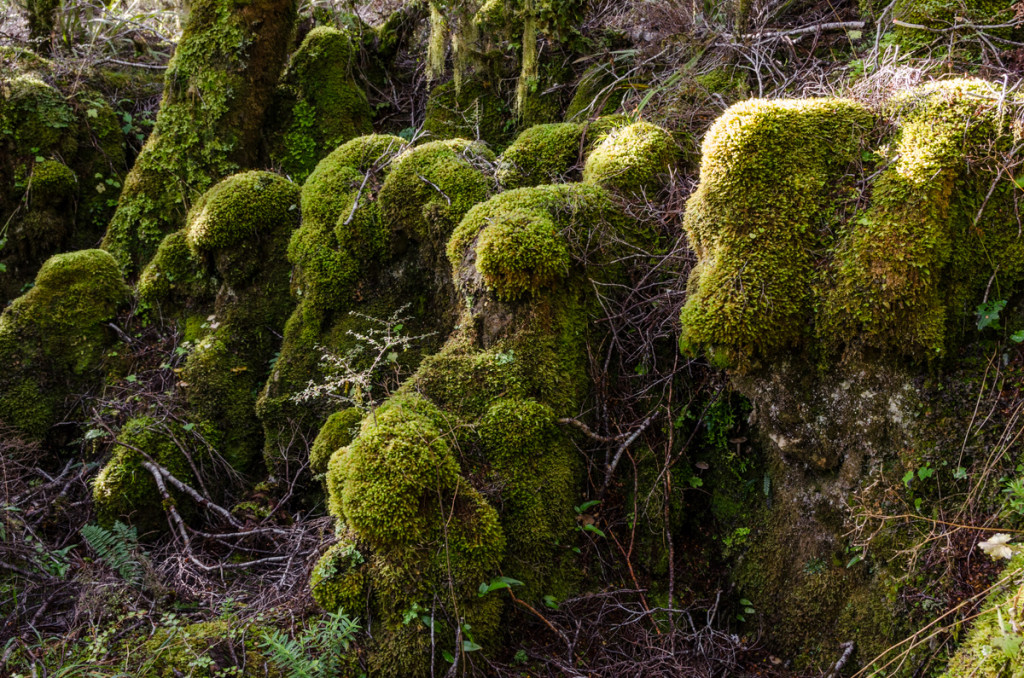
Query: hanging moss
767	172
634	159
318	105
53	338
217	88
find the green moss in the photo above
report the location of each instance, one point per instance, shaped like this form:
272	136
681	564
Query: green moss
240	209
337	432
522	253
543	154
938	15
225	646
596	94
36	117
319	105
990	648
634	159
338	581
753	221
53	337
176	275
432	186
51	182
939	231
474	111
216	90
126	491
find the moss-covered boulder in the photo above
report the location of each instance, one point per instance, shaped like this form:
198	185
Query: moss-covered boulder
225	277
634	159
318	105
543	154
55	336
217	89
465	473
751	291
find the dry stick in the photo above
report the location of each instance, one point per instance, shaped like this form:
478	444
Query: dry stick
816	28
909	516
586	430
622	448
847	648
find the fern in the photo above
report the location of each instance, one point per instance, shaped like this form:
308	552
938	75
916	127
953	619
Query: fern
116	548
318	652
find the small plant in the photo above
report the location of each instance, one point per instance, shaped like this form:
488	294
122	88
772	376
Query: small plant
117	548
320	651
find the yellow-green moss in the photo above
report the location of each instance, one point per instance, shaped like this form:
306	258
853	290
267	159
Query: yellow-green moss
992	648
432	186
36	117
318	105
920	258
633	160
337	432
543	154
53	338
521	252
210	649
217	87
768	171
126	491
338	581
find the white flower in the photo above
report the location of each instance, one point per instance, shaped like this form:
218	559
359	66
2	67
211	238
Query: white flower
996	546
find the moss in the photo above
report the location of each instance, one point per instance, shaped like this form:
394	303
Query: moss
432	186
940	227
476	111
338	581
240	209
126	491
319	104
53	338
522	253
990	647
935	15
543	154
36	117
176	275
596	94
52	182
337	432
225	646
634	159
217	88
766	176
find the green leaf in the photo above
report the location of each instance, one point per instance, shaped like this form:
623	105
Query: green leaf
131	378
92	113
587	505
925	472
960	473
988	313
746	603
907	477
595	530
93	433
854	561
189	427
447	656
551	602
470	646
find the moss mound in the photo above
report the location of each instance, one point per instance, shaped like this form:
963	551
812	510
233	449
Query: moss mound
54	337
634	159
543	154
217	89
318	105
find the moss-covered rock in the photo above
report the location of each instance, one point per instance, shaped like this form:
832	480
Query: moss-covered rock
338	581
543	154
337	432
225	646
318	105
54	337
474	111
941	227
217	89
126	491
751	291
228	266
634	159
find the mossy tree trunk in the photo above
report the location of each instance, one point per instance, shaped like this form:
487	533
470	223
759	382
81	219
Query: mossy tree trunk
216	91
